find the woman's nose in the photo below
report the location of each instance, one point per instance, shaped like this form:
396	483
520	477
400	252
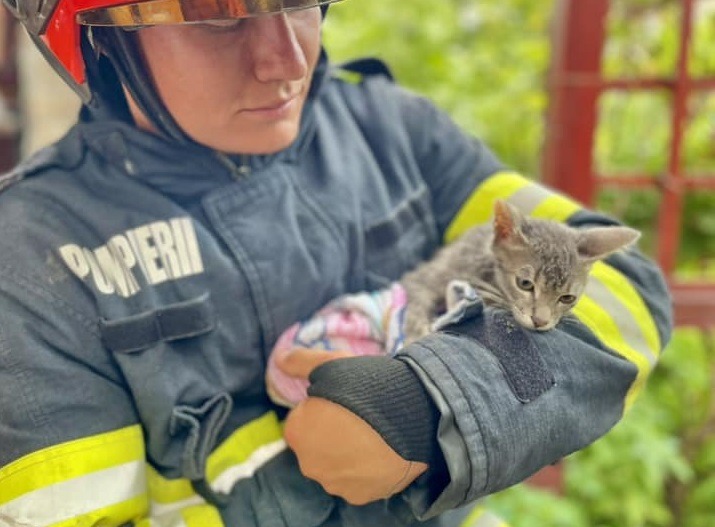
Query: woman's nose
276	50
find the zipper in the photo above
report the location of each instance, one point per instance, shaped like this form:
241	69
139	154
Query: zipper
238	171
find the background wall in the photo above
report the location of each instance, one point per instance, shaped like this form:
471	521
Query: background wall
49	106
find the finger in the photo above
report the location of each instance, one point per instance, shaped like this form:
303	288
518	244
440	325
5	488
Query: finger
301	361
413	469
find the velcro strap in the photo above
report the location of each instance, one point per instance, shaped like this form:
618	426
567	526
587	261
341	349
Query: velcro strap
525	370
173	322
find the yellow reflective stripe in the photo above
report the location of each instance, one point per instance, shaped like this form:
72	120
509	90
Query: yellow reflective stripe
80	479
244	451
528	196
73	459
244	442
621	320
480	517
201	516
165	491
198	516
598	320
556	207
479	206
107	489
621	288
117	514
228	478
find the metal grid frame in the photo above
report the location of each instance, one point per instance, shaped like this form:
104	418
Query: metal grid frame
575	84
9	135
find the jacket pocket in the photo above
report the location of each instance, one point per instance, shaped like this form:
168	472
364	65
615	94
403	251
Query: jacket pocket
401	240
164	354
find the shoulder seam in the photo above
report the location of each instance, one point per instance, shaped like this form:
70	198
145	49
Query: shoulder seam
43	158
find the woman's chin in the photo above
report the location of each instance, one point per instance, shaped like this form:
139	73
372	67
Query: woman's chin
280	137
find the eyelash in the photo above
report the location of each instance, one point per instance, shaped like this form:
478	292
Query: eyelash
220	26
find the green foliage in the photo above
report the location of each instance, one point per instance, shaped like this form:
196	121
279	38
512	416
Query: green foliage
524	506
634	135
464	55
485	63
642	38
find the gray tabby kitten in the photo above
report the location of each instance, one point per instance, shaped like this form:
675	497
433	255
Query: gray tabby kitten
537	269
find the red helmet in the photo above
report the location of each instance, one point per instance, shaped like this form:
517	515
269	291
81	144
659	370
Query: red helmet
56	25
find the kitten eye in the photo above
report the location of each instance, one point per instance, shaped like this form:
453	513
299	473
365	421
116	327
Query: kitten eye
524	284
567	299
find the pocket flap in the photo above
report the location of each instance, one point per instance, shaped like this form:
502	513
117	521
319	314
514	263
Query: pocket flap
144	330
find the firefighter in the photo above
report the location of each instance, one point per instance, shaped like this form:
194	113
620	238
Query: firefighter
223	181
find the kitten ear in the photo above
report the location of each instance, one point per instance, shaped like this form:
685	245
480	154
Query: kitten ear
598	242
507	223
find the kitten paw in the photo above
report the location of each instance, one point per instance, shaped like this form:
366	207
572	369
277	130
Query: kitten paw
458	290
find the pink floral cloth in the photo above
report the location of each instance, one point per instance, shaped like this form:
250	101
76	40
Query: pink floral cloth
363	323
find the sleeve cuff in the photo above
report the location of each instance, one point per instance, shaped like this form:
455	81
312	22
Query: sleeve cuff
388	395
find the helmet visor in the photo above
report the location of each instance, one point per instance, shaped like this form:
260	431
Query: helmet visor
156	12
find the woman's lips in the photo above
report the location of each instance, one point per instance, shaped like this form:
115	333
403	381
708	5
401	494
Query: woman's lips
272	110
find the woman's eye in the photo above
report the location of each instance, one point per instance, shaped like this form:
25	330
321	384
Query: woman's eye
567	299
221	25
524	284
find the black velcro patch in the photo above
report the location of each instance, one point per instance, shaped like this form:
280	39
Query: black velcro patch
525	370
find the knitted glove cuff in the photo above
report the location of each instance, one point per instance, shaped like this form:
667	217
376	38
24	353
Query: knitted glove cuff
388	395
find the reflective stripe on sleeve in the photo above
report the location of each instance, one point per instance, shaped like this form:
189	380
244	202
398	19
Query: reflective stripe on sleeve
115	514
228	478
611	307
170	495
528	196
196	516
105	470
239	456
111	493
105	479
245	451
614	311
479	206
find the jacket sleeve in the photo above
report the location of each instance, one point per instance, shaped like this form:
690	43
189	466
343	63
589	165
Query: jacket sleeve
73	451
510	401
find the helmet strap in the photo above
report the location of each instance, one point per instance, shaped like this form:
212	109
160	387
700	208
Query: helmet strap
120	48
107	97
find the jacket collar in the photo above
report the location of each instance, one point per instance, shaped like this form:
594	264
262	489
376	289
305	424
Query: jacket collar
180	170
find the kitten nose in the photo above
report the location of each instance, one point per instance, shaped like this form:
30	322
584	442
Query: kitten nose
538	321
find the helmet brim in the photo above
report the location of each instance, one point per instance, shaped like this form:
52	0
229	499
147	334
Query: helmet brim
162	12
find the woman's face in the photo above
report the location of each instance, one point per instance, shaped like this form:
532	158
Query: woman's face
238	86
